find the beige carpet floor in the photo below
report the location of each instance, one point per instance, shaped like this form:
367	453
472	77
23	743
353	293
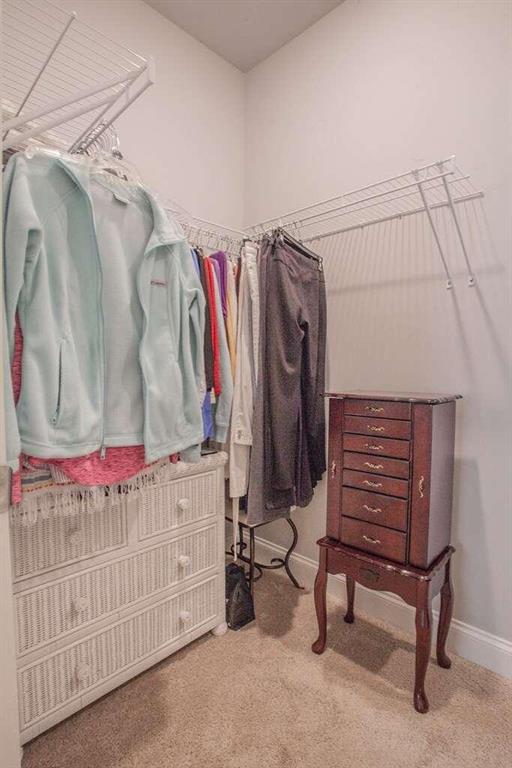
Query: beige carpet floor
259	698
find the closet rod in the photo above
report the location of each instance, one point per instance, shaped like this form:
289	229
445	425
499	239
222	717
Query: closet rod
217	226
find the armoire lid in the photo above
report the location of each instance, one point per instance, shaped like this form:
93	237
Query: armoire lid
410	397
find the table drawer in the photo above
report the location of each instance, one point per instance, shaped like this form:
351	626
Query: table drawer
56	609
381	409
377	427
378	465
377	446
391	486
49	684
375	508
376	539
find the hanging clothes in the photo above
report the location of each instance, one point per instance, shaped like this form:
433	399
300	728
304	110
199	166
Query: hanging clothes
111	311
246	372
232	315
214	325
224	400
257	511
220	258
288	452
116	466
208	332
294	382
206	407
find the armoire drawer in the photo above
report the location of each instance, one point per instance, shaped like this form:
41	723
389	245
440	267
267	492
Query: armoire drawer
379	465
391	486
58	608
362	425
375	508
58	540
49	684
377	446
382	409
169	506
381	541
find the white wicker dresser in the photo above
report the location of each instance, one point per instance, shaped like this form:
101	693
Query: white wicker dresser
102	596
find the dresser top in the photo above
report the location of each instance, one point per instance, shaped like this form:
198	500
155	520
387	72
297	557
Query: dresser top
409	397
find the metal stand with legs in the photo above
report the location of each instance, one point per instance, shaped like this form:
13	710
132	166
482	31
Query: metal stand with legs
275	563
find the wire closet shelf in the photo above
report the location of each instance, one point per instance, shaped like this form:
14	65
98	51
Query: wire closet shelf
438	185
209	234
63	81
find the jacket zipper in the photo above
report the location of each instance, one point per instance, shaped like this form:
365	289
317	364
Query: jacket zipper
140	292
56	415
103	449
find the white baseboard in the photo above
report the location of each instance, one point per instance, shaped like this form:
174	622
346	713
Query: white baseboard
477	645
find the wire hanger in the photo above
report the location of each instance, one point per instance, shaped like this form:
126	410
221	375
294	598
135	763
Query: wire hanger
288	239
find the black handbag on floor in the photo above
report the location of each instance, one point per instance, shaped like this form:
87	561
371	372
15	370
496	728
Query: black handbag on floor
239	602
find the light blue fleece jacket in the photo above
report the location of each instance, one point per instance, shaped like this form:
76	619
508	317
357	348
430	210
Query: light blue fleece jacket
111	310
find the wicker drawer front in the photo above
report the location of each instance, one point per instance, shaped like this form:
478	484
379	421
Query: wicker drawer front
49	684
171	505
60	540
45	614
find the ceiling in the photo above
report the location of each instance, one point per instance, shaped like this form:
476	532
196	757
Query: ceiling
244	32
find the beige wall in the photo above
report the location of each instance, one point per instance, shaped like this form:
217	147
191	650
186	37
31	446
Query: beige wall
375	88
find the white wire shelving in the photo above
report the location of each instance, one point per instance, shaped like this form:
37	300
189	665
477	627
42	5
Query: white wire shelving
62	78
208	234
424	190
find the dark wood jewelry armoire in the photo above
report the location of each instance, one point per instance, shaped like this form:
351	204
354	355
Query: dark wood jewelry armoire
389	509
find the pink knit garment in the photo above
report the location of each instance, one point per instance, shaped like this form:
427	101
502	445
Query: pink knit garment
118	465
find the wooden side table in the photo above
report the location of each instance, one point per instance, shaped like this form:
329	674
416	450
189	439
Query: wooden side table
415	586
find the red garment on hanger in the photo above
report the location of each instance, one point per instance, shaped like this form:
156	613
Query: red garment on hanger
217	388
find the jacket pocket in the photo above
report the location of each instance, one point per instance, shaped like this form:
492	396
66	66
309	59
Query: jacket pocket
63	399
56	415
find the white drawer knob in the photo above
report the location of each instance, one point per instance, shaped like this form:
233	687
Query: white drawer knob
76	538
83	673
183	561
80	604
184	505
185	616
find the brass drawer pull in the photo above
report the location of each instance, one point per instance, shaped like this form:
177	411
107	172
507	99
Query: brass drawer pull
421	486
373	409
374	447
373	466
371	509
370	540
375	429
372	484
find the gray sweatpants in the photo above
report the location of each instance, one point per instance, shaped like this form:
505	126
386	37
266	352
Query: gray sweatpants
293	377
288	451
